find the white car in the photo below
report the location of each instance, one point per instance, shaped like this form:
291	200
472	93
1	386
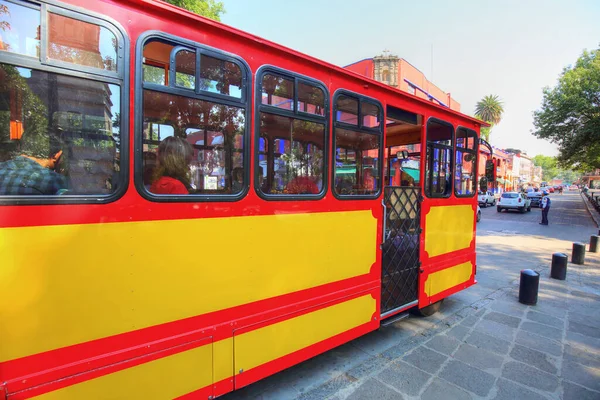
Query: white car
514	201
486	198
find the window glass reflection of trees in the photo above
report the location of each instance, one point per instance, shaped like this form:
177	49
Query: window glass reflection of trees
215	132
465	179
42	113
291	155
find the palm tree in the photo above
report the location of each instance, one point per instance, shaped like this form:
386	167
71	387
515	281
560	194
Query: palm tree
489	109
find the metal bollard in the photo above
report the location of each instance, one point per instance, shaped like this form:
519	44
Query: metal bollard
528	287
559	266
578	253
594	243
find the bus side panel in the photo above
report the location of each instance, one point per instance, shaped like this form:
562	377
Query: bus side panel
448	251
264	349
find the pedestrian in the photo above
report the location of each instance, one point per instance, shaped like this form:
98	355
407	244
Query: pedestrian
545	208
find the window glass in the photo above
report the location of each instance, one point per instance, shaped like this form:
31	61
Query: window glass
356	170
220	76
438	176
19	29
156	62
290	155
81	43
347	110
58	134
311	99
278	91
438	133
185	69
202	145
465	138
465	179
370	114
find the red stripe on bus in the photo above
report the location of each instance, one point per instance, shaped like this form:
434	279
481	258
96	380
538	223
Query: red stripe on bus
279	364
56	364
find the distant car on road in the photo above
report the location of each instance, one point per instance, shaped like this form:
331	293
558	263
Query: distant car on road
486	198
535	198
514	201
573	187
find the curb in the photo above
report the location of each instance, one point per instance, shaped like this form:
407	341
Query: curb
592	212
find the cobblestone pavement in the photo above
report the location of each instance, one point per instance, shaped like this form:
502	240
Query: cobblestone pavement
484	344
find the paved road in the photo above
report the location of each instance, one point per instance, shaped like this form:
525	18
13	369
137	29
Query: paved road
483	344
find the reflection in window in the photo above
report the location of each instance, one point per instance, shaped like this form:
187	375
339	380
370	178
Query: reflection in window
19	29
438	176
81	43
278	91
356	162
220	76
465	177
347	110
215	133
370	115
185	69
290	155
58	134
311	99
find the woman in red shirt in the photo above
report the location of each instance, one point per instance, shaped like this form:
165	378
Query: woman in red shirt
172	174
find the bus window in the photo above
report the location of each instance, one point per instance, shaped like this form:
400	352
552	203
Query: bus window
185	69
438	175
204	129
82	43
465	175
23	33
357	150
43	115
292	137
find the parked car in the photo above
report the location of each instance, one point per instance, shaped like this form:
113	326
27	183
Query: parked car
573	187
551	189
514	201
486	198
535	198
478	214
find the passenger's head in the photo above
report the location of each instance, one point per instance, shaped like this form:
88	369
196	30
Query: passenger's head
174	156
238	174
404	183
45	148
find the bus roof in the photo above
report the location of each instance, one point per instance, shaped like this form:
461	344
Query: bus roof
164	6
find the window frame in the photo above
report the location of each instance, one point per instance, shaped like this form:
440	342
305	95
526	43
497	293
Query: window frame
360	129
467	150
294	114
171	88
77	71
429	160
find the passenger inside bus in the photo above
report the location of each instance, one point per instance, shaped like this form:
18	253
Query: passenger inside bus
172	173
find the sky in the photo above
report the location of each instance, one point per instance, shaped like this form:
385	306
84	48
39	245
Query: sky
470	48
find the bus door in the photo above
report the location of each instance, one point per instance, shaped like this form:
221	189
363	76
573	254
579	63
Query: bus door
402	212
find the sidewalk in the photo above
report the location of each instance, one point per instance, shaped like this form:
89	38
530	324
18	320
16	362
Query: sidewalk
500	349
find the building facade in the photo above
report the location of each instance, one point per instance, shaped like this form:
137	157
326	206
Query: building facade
399	73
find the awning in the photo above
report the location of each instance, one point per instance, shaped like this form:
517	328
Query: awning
412	172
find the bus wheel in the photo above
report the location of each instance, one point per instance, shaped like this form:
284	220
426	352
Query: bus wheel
427	311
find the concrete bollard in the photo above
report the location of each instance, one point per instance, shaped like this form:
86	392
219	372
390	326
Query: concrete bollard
528	287
578	253
594	243
559	266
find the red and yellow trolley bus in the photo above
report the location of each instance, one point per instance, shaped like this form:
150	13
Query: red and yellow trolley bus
186	208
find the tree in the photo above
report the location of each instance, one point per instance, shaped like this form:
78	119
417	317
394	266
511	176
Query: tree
548	164
489	109
208	8
570	114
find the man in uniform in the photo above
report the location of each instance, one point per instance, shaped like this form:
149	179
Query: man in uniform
545	208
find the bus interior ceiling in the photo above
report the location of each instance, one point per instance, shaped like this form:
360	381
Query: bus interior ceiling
403	133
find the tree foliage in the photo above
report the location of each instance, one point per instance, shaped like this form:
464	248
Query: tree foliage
490	109
208	8
570	113
548	164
